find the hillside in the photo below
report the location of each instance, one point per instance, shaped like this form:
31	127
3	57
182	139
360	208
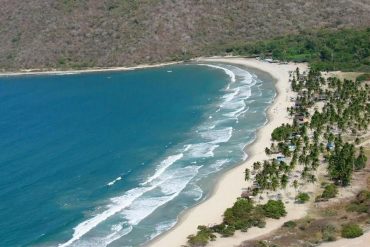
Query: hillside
89	33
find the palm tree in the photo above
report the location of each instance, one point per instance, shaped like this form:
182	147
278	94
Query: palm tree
246	174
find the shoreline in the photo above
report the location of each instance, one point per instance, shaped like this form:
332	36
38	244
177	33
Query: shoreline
88	70
231	184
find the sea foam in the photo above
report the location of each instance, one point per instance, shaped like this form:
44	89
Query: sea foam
114	181
163	166
218	135
227	71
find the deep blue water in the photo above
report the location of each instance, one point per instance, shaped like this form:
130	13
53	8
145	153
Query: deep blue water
112	158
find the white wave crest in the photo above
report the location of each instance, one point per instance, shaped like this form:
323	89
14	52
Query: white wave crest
119	203
196	192
114	181
163	166
227	71
161	227
234	105
217	166
218	135
170	187
202	150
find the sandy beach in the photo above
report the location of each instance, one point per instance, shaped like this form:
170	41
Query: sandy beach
231	184
89	70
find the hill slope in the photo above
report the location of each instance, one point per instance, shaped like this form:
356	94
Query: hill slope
82	33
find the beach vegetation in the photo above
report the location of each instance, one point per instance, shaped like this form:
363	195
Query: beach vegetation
361	204
203	236
341	163
290	224
329	233
351	230
281	133
302	197
257	166
330	191
274	209
247	174
361	160
363	77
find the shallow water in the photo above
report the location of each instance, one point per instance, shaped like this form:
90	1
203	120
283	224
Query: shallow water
112	158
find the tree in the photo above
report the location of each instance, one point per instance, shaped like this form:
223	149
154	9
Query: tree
284	181
274	183
361	159
281	133
256	165
295	184
341	163
246	174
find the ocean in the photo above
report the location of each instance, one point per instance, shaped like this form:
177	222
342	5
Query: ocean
113	158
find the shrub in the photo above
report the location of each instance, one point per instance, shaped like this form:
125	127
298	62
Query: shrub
274	209
290	224
363	77
241	216
302	197
330	191
361	204
329	233
228	231
351	231
202	237
239	211
363	196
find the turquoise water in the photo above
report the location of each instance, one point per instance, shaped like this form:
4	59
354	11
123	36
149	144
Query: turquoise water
112	158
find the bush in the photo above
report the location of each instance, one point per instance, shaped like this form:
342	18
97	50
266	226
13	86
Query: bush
363	77
238	212
361	204
330	191
290	224
329	233
302	197
241	216
274	209
351	231
202	237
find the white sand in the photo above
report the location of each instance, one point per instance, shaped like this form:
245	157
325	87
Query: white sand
231	184
97	69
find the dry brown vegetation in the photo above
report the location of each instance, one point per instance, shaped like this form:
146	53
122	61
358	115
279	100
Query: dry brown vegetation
86	33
